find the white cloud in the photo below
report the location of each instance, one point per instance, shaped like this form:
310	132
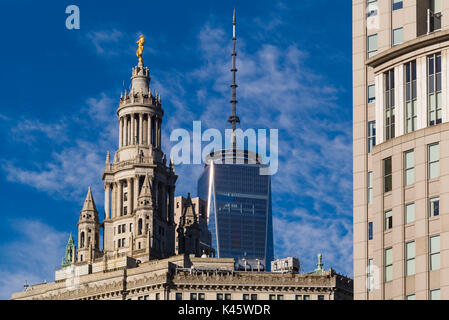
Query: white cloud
32	257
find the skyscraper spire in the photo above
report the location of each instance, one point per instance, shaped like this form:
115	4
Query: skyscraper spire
234	119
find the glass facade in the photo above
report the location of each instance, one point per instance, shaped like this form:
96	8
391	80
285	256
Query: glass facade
239	212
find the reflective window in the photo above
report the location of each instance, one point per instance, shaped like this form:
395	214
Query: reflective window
372	45
434	161
434	253
397	4
435	294
410	258
388	265
435	96
409	165
434	207
370	187
371	8
397	36
388	220
388	182
371	93
409	213
389	110
411	105
371	135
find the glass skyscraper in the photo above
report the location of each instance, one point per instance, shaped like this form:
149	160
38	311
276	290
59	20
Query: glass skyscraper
238	198
239	209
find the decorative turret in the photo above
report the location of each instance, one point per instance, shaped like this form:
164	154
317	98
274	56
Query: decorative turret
88	230
69	252
145	196
189	230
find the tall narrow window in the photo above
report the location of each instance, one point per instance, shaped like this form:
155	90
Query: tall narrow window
434	253
389	105
409	213
434	161
372	45
371	93
434	99
410	258
411	117
409	159
388	264
434	207
370	187
397	36
371	135
370	275
370	230
388	178
388	220
397	4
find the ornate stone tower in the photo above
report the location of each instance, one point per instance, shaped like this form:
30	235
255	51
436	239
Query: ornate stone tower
88	230
139	172
189	230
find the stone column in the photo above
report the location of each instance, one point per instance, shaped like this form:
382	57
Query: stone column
140	128
156	131
130	195
113	200
120	132
107	200
127	131
164	201
149	142
119	198
171	202
136	190
156	193
131	122
159	133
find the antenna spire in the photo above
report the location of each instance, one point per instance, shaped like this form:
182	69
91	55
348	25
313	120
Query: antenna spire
234	119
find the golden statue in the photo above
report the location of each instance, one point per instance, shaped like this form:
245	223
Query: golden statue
141	43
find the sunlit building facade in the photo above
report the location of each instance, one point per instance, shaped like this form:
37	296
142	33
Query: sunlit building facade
401	143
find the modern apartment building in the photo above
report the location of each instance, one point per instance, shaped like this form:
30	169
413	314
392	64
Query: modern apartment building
401	149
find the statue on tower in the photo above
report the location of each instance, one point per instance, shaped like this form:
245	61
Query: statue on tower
141	43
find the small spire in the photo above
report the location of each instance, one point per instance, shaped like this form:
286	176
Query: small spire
108	158
89	204
146	188
234	119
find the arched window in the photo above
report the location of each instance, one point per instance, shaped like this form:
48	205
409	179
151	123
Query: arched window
139	227
82	240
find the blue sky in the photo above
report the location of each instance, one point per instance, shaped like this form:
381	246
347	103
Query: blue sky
60	89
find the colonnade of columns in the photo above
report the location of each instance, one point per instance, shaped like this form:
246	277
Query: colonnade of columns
139	128
114	200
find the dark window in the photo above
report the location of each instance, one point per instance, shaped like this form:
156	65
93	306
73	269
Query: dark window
193	296
219	296
320	297
388	178
370	231
397	4
434	88
389	105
